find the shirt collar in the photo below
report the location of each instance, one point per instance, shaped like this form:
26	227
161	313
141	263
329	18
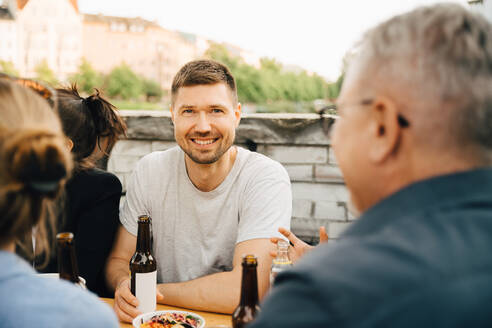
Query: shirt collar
421	196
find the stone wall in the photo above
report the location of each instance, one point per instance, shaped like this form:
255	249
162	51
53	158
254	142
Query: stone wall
298	141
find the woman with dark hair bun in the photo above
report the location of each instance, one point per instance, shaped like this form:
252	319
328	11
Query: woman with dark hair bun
92	196
34	166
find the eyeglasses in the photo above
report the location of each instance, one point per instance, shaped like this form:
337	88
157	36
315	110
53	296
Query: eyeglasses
326	124
46	92
402	121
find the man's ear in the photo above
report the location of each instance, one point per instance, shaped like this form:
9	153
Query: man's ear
171	109
237	113
385	131
69	143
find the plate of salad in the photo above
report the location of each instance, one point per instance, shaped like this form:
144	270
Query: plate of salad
169	319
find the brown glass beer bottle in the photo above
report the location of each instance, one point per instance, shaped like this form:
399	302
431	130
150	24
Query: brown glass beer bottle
248	306
143	268
67	263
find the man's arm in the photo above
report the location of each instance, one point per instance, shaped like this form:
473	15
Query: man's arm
220	292
118	275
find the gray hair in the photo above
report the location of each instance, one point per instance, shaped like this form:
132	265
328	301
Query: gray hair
442	56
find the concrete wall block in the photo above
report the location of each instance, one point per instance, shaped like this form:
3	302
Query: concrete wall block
149	125
301	208
296	155
352	213
124	179
331	157
122	163
335	229
132	147
330	210
320	191
111	163
279	129
351	216
162	145
307	227
300	172
328	173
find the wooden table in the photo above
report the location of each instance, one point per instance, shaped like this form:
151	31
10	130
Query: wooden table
211	319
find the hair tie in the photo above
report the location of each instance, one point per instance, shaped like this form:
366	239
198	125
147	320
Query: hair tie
45	182
44	187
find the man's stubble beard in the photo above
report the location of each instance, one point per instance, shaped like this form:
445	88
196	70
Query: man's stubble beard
218	154
214	159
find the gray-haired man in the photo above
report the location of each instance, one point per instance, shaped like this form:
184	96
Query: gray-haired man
414	142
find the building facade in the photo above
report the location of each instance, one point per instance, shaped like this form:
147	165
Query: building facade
54	33
42	31
8	41
144	46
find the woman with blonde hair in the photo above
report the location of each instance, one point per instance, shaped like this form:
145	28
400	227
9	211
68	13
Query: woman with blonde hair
34	165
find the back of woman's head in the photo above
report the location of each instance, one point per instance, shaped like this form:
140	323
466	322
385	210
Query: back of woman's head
34	163
87	121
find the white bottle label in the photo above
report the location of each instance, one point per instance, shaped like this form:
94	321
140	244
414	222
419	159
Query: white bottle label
145	290
274	273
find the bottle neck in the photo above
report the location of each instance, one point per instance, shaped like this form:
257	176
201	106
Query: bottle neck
67	263
143	237
249	286
282	255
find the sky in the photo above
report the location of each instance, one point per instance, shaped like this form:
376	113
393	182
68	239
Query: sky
313	34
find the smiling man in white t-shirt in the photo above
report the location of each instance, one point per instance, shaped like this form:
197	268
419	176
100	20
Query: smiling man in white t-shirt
210	202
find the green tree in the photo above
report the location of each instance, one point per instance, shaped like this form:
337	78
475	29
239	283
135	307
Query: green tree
270	82
44	73
333	89
87	78
151	89
7	67
220	53
122	82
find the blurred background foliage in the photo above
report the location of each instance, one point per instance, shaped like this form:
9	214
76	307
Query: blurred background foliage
274	88
269	87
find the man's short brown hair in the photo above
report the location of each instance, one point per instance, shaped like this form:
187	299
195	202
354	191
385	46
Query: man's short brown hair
203	72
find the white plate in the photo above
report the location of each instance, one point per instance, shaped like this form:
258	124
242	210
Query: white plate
147	316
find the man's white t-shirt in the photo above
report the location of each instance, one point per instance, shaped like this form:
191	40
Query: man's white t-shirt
195	232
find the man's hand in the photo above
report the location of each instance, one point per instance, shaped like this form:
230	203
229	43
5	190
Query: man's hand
125	303
298	247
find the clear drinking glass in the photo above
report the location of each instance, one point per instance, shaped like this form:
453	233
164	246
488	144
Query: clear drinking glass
282	261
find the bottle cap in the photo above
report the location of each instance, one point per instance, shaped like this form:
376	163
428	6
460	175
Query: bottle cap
250	259
282	244
64	236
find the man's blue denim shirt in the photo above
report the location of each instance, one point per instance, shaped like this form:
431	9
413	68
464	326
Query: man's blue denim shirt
420	258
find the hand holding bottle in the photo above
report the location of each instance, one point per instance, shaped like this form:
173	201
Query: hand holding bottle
298	247
125	303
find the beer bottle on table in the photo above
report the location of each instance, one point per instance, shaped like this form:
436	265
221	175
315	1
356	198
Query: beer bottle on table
67	263
143	268
282	261
248	306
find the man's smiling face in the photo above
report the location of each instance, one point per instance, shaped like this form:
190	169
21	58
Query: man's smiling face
205	119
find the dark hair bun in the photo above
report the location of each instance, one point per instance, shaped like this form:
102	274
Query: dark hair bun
36	159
